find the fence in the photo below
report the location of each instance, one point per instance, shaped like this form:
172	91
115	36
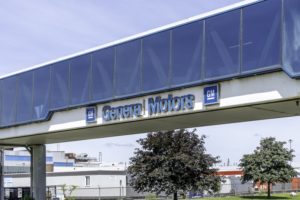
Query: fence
232	186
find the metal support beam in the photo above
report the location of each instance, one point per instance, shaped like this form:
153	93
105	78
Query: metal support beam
38	172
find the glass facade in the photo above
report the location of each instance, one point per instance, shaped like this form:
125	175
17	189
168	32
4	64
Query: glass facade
291	37
24	97
60	73
187	46
261	41
222	48
41	93
236	43
80	70
128	62
8	103
103	74
156	61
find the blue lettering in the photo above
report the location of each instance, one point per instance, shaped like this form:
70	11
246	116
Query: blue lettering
176	104
121	112
189	101
137	110
105	113
153	106
170	104
163	105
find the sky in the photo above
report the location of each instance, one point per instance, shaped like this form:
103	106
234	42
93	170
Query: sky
34	31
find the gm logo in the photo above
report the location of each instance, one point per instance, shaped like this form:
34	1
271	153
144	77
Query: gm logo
211	95
91	114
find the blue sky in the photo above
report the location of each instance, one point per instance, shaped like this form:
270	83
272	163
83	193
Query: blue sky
37	31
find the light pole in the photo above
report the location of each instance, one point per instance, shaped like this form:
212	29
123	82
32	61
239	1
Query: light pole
290	141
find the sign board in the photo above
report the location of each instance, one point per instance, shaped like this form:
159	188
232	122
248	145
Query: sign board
8	181
91	114
211	95
20	193
7	193
154	105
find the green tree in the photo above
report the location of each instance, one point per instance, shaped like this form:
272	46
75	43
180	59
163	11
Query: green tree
268	164
172	161
68	189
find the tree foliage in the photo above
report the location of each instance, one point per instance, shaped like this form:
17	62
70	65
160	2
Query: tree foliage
171	161
268	164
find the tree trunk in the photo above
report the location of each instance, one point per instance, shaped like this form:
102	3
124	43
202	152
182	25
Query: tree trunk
175	197
269	190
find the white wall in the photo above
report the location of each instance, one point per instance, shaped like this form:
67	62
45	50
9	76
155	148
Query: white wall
108	184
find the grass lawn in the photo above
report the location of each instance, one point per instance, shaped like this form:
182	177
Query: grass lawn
273	196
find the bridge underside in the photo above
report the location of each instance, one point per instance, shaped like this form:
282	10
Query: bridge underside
287	108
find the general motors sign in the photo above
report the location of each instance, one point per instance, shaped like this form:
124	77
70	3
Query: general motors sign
91	114
211	95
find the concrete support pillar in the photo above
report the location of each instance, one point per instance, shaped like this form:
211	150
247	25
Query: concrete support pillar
38	172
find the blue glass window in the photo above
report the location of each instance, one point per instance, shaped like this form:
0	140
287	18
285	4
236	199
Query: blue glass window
187	53
291	42
60	85
80	68
222	45
9	93
127	74
156	61
41	92
261	35
103	68
24	97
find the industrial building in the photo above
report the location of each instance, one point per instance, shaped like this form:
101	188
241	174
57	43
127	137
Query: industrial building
88	174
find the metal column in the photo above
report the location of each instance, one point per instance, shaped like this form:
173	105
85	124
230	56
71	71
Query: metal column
38	173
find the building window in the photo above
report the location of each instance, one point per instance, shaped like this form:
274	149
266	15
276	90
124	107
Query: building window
87	181
222	45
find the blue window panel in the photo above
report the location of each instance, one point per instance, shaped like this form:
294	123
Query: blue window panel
156	61
127	73
24	97
17	158
63	164
291	43
102	76
9	93
187	53
261	35
80	68
41	93
60	85
222	45
23	158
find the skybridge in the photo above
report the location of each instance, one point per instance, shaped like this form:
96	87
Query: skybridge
235	64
